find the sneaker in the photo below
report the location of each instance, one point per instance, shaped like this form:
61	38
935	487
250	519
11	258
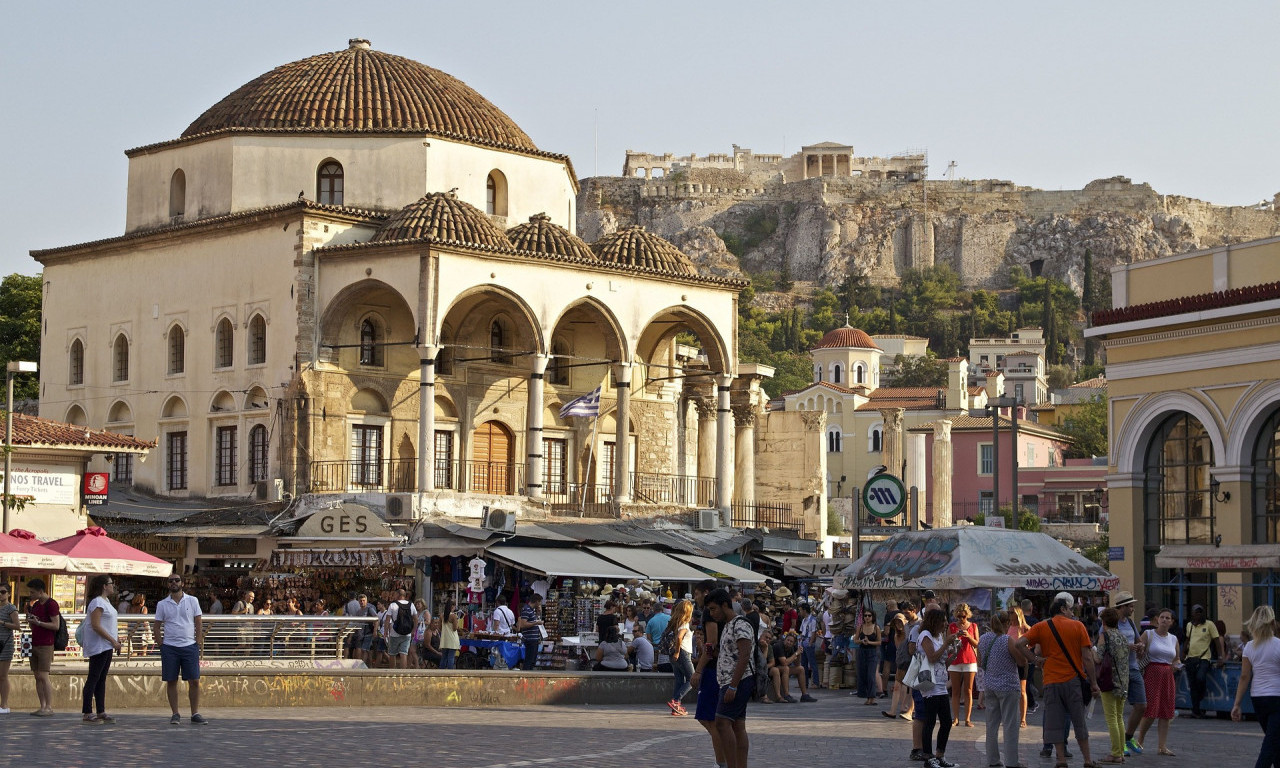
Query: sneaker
198	719
1133	746
916	755
807	698
942	762
790	699
4	710
1047	751
1033	710
176	719
90	720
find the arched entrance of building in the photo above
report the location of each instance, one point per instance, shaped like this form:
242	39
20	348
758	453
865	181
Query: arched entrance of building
491	469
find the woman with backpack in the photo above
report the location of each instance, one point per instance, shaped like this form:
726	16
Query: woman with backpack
677	641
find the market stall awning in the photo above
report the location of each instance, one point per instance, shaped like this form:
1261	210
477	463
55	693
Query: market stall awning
1206	557
814	567
560	561
93	551
722	570
444	546
651	563
20	549
975	557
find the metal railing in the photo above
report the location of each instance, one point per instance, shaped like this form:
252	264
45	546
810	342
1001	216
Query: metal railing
773	515
401	476
685	490
227	638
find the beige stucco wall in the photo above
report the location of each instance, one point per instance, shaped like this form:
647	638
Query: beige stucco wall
240	172
791	463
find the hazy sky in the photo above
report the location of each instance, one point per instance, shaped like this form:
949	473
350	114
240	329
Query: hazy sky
1183	95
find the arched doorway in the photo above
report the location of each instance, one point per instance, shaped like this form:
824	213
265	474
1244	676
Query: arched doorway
491	470
1178	507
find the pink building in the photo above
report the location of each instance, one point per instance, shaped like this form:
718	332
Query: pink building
1057	489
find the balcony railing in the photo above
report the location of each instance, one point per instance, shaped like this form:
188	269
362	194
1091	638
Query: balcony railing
684	490
772	515
401	476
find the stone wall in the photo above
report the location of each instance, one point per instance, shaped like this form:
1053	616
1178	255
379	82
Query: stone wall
830	227
791	464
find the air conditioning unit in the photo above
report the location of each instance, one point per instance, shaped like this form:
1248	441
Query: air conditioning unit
402	507
501	520
708	519
269	490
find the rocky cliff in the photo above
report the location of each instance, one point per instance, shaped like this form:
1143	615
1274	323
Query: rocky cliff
822	230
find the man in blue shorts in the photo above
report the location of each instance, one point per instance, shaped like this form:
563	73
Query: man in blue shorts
735	674
179	626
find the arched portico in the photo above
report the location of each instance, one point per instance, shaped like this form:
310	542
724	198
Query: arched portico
368	325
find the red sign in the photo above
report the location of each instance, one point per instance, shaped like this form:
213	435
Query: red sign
96	485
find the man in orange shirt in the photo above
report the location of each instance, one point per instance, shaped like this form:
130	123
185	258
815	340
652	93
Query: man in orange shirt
1065	662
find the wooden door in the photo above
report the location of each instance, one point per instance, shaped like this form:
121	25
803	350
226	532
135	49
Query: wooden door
491	447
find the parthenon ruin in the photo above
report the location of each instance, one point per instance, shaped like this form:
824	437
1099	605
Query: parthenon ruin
827	158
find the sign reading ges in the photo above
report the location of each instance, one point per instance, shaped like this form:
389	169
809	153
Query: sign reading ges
347	521
96	485
884	496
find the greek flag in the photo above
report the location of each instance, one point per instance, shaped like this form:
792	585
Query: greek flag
587	405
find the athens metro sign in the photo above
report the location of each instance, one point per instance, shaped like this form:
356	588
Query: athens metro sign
884	496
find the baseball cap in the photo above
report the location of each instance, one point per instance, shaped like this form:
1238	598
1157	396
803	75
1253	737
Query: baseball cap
1065	597
1122	597
928	595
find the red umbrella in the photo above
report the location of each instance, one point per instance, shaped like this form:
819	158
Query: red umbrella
93	551
20	549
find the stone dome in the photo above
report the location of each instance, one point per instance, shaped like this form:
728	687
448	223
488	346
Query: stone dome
442	217
634	247
540	235
847	337
360	90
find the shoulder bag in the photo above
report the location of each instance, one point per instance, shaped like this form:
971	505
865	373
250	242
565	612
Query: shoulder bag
1106	668
1086	690
920	674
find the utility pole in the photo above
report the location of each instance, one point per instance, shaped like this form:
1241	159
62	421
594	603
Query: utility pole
11	369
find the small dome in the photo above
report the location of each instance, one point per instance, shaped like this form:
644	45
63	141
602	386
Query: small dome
441	216
540	235
634	247
847	337
361	90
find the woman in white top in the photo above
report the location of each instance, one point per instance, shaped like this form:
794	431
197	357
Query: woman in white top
934	643
1162	662
101	639
1260	675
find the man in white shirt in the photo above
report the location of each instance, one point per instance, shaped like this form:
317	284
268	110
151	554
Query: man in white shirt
504	621
179	625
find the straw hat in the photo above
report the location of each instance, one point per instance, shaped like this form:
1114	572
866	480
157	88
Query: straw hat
782	592
608	590
1122	597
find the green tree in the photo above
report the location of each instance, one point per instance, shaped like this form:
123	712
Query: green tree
1027	520
927	371
1087	428
20	327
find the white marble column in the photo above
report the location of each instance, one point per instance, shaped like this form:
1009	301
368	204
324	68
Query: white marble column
427	418
622	454
534	473
724	450
940	488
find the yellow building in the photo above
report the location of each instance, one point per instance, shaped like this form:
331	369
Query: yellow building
1194	413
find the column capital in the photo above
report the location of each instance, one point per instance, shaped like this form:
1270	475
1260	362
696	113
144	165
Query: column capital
622	373
745	415
540	362
428	351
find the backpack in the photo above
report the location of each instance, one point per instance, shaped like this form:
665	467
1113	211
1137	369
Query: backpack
667	642
758	661
80	630
403	625
61	639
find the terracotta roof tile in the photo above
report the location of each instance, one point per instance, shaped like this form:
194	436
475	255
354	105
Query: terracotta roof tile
442	217
897	393
856	390
1097	382
846	337
540	235
1198	303
33	431
361	90
963	421
906	403
637	248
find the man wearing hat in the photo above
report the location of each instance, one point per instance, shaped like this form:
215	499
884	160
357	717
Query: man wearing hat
1124	602
1062	644
1202	640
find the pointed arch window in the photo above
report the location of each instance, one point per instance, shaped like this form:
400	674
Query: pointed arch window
177	195
224	345
258	462
329	183
370	343
120	359
75	365
177	350
257	340
835	374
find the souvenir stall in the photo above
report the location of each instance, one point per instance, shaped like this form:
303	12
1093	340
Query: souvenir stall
574	596
336	553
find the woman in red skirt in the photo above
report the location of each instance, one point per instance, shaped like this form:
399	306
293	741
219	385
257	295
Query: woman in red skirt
1162	663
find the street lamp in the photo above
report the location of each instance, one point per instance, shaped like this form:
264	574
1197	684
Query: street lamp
10	370
993	407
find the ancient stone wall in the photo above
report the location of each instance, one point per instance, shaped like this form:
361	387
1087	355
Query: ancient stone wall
791	463
825	229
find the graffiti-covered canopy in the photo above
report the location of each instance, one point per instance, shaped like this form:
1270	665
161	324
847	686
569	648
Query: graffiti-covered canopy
975	557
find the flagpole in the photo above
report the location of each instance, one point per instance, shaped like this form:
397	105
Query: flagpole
591	455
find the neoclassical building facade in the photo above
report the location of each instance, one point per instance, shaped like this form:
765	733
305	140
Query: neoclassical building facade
354	273
1194	411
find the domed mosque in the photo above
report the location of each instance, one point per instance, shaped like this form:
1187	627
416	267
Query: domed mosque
354	273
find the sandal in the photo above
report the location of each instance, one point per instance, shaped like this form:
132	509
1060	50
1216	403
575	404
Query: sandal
1112	760
1166	752
886	714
